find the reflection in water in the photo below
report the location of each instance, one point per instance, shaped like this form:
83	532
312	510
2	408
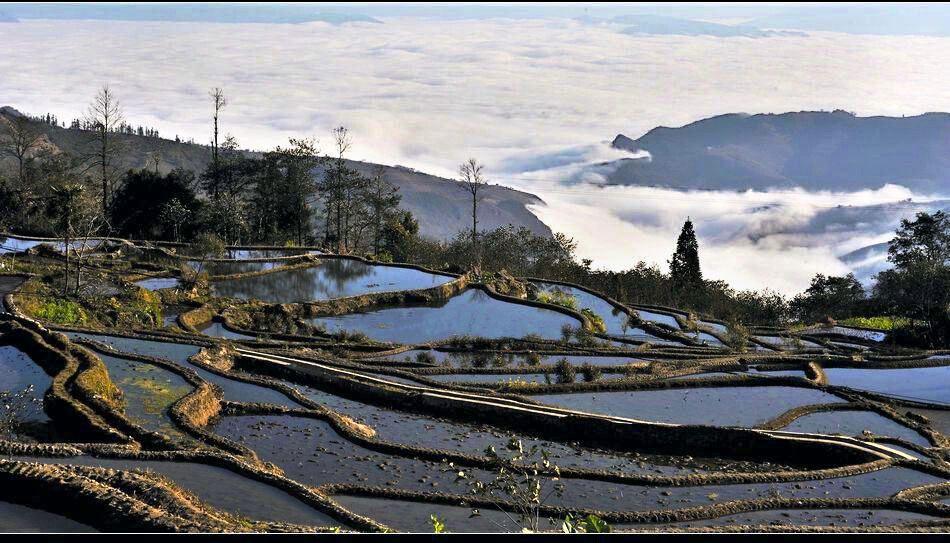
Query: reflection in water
715	405
926	384
18	372
157	283
16	245
244	254
148	391
218	487
333	278
472	313
229	268
854	423
16	518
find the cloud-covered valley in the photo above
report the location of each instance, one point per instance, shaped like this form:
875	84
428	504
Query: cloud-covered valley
533	99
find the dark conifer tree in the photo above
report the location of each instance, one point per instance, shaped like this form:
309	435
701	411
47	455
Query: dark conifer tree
684	266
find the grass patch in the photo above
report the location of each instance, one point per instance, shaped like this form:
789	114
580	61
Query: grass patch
557	297
878	323
61	311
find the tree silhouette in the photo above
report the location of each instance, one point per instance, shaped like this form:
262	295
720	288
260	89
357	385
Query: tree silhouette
684	266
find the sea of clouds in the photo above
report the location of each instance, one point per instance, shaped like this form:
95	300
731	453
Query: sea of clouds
533	99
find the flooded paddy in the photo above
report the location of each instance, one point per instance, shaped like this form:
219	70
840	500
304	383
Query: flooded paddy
218	329
471	313
17	373
711	406
659	318
332	278
854	423
433	432
501	378
148	392
615	319
413	517
157	283
464	359
806	517
923	384
21	519
310	451
218	267
234	390
219	487
13	244
248	254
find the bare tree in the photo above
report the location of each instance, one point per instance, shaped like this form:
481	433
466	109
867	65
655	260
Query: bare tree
335	184
19	136
217	96
104	117
472	182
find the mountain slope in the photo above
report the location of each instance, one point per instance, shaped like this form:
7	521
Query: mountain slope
440	205
813	150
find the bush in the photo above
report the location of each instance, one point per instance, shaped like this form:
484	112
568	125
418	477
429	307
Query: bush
564	372
426	357
595	320
61	312
737	337
558	297
590	372
878	323
533	359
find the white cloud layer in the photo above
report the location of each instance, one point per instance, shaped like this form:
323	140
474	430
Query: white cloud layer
529	97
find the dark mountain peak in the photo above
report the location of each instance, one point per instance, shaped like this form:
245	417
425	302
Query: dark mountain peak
811	149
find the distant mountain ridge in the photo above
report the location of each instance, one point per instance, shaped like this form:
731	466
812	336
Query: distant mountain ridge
198	13
809	149
440	205
660	25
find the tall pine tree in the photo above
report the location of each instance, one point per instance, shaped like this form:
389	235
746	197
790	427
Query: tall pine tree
684	266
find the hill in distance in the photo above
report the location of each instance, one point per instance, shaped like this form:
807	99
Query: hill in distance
440	205
660	25
813	150
194	13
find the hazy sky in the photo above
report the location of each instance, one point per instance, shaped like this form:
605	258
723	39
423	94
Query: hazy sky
532	98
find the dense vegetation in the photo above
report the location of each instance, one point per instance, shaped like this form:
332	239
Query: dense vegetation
275	198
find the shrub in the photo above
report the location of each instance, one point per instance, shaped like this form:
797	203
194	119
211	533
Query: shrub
564	372
426	357
61	312
590	372
558	297
878	323
481	360
737	337
595	320
533	359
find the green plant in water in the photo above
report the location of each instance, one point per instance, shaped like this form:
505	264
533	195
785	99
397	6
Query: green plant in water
591	524
558	297
437	525
595	320
521	485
